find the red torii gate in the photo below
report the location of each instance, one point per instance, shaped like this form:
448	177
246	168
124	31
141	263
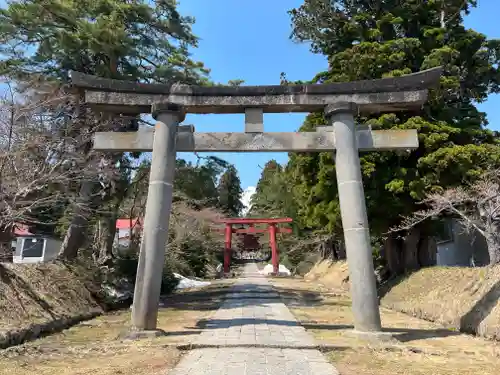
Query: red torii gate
271	228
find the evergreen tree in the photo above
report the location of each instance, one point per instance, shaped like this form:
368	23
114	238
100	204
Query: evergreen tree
273	196
368	40
198	182
131	40
230	192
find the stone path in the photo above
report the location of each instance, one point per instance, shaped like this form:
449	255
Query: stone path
254	333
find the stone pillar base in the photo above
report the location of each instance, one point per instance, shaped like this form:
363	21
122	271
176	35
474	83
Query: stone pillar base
135	334
376	337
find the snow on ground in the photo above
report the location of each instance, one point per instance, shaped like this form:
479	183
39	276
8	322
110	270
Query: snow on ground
185	283
118	294
268	269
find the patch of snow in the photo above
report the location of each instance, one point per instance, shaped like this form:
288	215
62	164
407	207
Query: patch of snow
186	283
118	295
268	269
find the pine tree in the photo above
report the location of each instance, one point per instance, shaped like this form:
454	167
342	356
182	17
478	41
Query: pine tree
136	40
230	192
368	40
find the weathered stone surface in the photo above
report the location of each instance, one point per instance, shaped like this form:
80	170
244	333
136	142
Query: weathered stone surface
366	102
254	361
254	120
258	142
374	337
138	334
156	219
411	82
349	107
158	108
388	94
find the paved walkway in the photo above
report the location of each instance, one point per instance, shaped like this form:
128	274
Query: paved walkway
254	333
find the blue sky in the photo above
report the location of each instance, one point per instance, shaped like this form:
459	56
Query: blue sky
250	40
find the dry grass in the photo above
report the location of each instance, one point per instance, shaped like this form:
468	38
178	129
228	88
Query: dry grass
466	299
422	347
40	293
319	303
136	358
333	275
463	298
373	362
96	346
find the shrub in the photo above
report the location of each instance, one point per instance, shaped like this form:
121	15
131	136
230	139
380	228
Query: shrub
125	266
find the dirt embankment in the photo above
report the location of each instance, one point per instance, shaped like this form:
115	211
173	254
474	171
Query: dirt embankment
43	298
466	299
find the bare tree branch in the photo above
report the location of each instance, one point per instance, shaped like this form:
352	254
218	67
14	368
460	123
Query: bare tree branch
476	207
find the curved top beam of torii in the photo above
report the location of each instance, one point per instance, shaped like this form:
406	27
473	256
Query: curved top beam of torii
371	96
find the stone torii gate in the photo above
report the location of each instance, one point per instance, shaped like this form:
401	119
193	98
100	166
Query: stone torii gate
272	229
341	102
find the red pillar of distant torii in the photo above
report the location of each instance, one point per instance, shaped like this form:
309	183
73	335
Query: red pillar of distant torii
271	228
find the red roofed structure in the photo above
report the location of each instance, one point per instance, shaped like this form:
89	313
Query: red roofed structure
125	227
21	230
128	223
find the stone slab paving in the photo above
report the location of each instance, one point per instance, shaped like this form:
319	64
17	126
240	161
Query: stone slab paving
253	334
254	361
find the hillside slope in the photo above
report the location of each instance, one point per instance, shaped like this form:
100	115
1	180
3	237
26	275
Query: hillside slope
40	298
466	299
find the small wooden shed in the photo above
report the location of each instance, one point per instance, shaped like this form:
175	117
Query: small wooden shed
35	248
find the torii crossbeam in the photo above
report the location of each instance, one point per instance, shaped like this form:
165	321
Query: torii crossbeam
341	102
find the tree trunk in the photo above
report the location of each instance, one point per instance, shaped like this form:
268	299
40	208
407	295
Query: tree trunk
493	249
427	252
75	235
340	250
415	251
107	238
392	255
410	249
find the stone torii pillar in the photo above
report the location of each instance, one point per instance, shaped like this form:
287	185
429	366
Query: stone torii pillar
157	217
354	217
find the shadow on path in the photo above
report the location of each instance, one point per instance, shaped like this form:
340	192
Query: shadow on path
482	308
402	334
241	297
248	294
